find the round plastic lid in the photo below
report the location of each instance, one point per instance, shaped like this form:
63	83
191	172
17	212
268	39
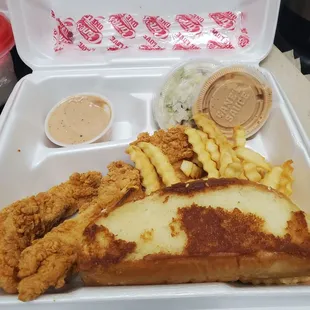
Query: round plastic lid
235	96
6	36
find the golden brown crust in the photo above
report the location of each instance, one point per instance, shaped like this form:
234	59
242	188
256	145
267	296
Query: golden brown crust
212	184
219	268
215	243
210	232
173	143
47	262
205	185
114	253
30	218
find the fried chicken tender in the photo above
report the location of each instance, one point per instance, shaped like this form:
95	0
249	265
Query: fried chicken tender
32	217
173	143
49	261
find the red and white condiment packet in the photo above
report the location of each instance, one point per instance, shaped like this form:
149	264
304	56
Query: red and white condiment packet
219	30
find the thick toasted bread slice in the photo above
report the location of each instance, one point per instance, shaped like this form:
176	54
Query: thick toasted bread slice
215	230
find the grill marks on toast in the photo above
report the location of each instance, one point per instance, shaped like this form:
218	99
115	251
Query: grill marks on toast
191	188
114	252
215	230
209	231
203	231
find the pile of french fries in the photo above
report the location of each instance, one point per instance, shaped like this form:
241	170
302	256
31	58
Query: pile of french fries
215	157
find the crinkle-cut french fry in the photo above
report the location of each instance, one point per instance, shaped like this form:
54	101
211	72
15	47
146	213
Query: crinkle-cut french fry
243	177
261	171
272	178
224	144
228	148
220	137
210	128
203	156
221	140
225	160
203	135
239	139
251	173
287	179
252	157
161	163
150	179
190	169
205	125
234	155
210	146
186	167
233	170
213	149
196	161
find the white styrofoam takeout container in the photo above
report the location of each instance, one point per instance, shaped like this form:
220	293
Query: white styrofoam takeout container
130	79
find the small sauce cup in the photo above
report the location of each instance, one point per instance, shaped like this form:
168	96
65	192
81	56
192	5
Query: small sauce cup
103	135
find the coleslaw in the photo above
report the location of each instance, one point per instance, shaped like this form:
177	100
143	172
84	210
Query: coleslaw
174	103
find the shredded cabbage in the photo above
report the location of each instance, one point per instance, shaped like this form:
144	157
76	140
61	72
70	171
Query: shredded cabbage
179	94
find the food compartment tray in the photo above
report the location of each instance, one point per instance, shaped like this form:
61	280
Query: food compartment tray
29	163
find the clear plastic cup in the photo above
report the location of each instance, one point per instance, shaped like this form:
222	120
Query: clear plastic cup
172	104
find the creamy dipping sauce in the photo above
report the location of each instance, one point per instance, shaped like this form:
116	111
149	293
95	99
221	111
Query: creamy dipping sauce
79	119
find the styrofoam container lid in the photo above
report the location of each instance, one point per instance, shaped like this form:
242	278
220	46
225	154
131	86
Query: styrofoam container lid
33	28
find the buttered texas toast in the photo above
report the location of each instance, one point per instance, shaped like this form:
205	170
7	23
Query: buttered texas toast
214	230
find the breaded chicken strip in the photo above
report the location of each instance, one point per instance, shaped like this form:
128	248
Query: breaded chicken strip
173	143
30	218
49	260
